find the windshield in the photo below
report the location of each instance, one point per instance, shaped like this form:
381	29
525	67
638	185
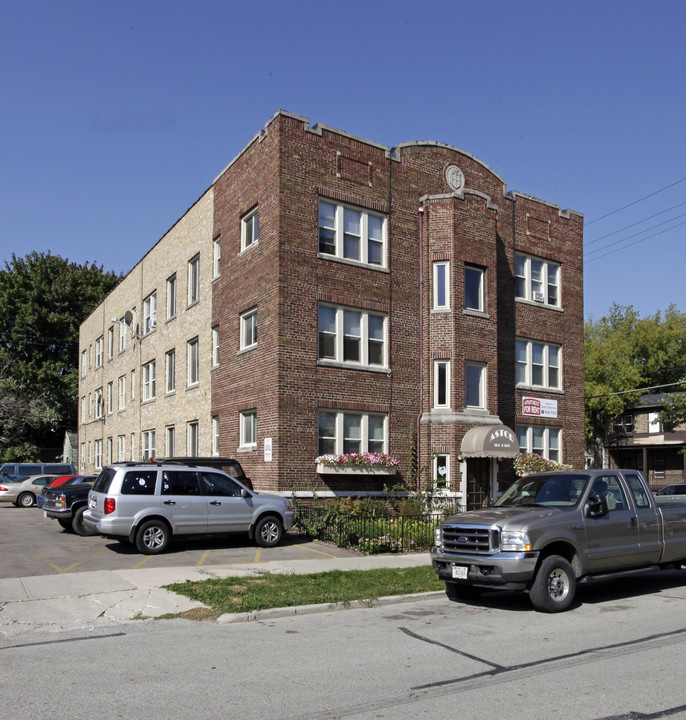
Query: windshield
561	491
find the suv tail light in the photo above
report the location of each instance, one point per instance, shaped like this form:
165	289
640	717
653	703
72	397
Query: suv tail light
109	505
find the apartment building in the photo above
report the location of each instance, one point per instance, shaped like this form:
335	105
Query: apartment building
406	301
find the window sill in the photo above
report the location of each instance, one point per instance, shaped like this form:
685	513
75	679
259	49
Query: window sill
247	349
367	470
354	366
246	448
247	248
476	313
540	389
353	263
524	301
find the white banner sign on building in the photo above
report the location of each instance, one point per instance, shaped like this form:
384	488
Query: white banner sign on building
268	449
539	407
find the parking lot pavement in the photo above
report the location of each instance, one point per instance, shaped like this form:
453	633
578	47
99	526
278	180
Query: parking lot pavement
33	545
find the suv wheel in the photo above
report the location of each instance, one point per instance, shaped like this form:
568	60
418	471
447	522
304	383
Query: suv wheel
152	537
77	523
268	531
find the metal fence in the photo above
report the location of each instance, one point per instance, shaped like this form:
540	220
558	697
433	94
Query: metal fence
370	533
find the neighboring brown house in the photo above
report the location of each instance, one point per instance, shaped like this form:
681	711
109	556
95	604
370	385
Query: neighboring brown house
637	441
398	292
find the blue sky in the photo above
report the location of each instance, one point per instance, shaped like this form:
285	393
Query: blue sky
116	116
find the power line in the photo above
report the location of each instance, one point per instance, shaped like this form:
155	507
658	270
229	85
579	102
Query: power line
640	232
625	392
611	252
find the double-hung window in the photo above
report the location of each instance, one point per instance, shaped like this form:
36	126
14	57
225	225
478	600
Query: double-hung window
249	329
171	296
110	343
539	440
537	280
355	337
170	440
216	256
150	313
441	285
248	429
215	346
538	364
352	233
99	403
474	288
170	371
249	229
194	280
121	392
121	448
351	432
148	444
99	348
192	438
475	385
123	330
193	361
441	383
110	397
149	381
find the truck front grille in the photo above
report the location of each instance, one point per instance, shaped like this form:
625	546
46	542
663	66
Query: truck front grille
471	539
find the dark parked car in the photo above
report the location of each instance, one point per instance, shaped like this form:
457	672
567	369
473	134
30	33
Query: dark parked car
67	503
672	490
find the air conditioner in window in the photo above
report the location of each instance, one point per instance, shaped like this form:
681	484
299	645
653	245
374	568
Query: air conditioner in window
538	296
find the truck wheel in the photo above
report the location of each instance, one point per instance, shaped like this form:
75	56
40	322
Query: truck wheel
554	586
268	531
152	537
77	523
66	524
455	591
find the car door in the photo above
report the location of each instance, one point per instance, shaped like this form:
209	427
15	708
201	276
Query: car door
647	521
228	510
183	502
612	540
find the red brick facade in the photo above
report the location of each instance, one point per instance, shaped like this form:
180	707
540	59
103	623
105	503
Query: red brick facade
283	174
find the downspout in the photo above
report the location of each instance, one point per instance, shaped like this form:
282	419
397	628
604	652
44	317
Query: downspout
421	340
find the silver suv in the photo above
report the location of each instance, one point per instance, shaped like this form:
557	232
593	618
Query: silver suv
148	503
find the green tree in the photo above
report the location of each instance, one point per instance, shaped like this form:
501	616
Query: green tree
624	352
43	300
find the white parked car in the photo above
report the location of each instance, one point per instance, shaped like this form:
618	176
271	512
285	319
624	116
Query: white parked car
24	491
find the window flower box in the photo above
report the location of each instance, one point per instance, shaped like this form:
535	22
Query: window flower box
357	464
325	469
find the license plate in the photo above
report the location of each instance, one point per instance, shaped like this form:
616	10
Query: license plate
460	572
92	503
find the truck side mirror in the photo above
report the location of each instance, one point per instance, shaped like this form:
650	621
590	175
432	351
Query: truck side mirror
596	506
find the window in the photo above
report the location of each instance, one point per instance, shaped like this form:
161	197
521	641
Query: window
441	277
215	346
543	441
171	296
193	362
216	256
148	444
121	392
249	329
538	364
249	229
84	363
624	424
150	313
442	472
99	404
441	383
352	336
110	398
194	280
170	441
192	438
110	343
348	432
82	455
654	424
352	234
180	482
149	381
109	450
97	447
215	435
474	288
475	385
83	410
133	384
99	347
123	329
170	371
121	448
537	280
248	420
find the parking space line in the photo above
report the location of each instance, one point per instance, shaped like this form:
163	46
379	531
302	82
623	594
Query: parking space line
318	552
258	555
203	557
67	569
143	561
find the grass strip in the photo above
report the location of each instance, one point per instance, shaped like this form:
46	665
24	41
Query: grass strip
269	590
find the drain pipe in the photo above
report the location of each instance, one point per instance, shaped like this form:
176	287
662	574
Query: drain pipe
421	341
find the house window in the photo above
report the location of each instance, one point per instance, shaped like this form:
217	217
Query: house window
84	363
249	229
194	280
216	256
121	448
248	420
133	384
110	397
474	288
654	424
99	347
110	343
215	435
192	438
123	329
170	371
537	280
97	446
171	296
133	447
193	362
215	346
121	392
148	444
355	337
441	278
249	329
99	404
475	385
82	456
624	424
109	450
149	313
441	383
170	441
442	472
538	364
83	410
353	234
539	440
149	381
347	432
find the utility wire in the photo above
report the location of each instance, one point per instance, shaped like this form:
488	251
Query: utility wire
611	252
640	232
625	392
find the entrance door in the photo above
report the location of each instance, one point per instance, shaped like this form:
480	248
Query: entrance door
478	482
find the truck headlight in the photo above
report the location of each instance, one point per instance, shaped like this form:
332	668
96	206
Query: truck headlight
437	537
514	541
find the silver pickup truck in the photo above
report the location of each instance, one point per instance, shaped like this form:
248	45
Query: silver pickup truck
549	531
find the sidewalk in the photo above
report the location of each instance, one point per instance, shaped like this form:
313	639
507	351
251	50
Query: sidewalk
34	606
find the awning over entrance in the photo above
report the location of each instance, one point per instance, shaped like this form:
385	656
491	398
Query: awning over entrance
492	441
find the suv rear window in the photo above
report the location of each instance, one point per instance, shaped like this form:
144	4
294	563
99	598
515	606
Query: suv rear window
139	482
103	481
